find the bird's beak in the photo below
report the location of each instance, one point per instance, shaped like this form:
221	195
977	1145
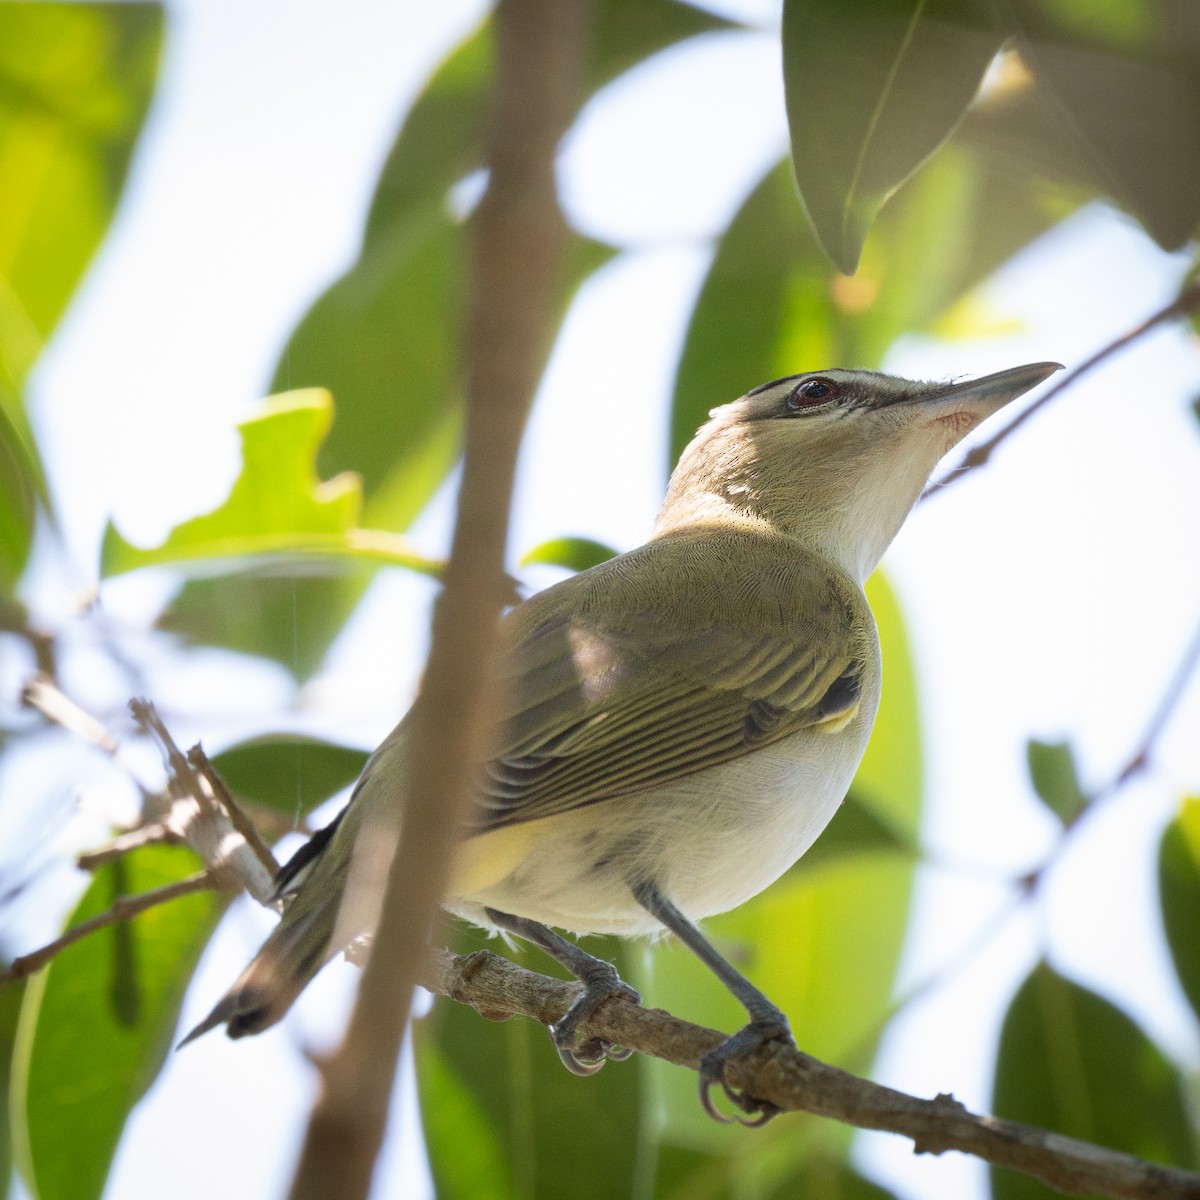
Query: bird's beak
982	397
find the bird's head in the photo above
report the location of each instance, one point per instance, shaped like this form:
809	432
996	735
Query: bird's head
835	458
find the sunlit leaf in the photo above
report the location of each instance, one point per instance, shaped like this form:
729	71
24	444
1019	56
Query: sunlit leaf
277	508
873	88
1179	894
97	1024
75	83
287	772
1055	778
535	1130
1069	1061
574	553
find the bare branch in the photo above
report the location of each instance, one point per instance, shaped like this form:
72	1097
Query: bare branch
144	835
516	256
42	694
795	1082
1185	304
124	908
196	814
237	818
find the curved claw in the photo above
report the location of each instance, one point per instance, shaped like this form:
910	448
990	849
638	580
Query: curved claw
712	1072
587	1057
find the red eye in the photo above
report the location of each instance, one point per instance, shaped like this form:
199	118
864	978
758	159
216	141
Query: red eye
812	392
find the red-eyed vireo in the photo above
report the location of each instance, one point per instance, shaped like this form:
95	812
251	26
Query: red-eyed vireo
680	722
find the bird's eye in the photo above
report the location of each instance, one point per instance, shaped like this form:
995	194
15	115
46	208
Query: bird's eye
812	392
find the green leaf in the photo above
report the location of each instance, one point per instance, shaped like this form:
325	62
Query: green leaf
75	83
873	89
1179	893
20	488
1055	778
277	509
386	337
1118	104
288	772
829	1181
1071	1062
97	1024
574	553
504	1119
11	999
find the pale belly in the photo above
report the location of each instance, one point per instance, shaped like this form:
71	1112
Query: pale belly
709	841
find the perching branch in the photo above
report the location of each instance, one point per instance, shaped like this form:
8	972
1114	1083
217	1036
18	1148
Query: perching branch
1185	304
795	1082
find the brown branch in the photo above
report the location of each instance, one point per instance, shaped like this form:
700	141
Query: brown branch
15	618
518	238
1185	304
124	908
196	814
42	694
237	818
795	1082
143	835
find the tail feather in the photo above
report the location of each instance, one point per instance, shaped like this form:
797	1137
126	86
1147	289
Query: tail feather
297	949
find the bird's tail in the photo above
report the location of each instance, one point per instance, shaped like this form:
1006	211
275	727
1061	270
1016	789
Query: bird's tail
297	949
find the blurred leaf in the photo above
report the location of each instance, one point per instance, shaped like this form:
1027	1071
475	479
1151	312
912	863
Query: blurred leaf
574	553
1121	104
829	1182
772	306
277	508
75	83
873	88
11	999
385	338
504	1119
20	487
97	1024
287	772
1071	1062
1055	778
1179	894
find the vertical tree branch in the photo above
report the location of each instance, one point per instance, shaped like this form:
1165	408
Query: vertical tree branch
518	240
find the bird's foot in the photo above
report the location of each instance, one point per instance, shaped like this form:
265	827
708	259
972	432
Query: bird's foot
764	1028
600	982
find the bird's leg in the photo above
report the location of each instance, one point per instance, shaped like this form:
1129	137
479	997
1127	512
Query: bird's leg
600	981
767	1023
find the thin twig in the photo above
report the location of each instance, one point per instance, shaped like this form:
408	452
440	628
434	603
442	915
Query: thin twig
124	908
42	694
795	1082
1185	304
133	839
233	810
15	618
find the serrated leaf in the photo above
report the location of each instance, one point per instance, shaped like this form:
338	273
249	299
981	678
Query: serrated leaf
277	508
287	772
521	1108
1055	778
1179	895
574	553
97	1024
1071	1062
873	89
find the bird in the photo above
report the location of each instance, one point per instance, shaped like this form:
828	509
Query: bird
676	725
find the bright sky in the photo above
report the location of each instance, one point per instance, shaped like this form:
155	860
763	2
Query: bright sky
1051	595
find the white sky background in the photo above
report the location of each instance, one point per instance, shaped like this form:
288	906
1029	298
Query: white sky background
1051	595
